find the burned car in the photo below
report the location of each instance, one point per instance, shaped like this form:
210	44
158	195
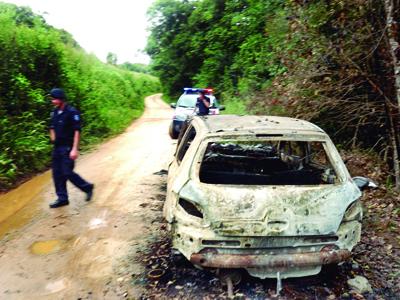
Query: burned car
267	194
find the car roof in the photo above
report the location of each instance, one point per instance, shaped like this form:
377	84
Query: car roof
245	123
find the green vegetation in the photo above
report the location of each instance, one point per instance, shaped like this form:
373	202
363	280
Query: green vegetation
330	62
214	43
140	68
36	57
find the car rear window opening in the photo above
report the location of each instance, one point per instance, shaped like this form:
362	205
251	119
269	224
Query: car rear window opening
277	162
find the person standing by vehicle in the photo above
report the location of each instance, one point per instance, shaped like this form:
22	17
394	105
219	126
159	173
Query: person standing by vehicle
202	104
65	130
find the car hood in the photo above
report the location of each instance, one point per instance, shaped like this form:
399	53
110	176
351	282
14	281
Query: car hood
184	111
272	210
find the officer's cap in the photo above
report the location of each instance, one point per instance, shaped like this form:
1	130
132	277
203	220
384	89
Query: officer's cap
57	94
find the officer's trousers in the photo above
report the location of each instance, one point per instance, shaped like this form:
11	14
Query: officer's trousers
63	170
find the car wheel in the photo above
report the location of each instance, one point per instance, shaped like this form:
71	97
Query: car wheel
172	132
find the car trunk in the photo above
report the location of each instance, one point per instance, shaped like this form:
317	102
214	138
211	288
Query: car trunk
240	210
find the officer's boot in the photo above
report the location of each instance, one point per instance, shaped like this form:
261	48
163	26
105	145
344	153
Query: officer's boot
58	203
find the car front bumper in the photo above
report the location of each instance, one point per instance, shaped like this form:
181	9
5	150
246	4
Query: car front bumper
277	261
265	256
272	266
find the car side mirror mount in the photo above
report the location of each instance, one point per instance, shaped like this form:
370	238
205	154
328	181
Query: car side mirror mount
173	105
363	183
221	107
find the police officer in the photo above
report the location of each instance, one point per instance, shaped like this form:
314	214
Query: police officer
65	131
202	104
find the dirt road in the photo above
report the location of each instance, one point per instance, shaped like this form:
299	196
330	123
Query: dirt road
87	250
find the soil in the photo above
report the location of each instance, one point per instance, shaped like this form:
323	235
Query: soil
117	246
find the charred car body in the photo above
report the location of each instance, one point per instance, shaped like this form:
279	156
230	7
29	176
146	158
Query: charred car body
268	194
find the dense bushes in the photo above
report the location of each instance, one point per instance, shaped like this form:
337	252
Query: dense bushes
36	57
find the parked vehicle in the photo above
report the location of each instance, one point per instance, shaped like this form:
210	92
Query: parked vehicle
267	194
186	106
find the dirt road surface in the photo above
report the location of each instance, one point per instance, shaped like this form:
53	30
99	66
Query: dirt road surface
87	250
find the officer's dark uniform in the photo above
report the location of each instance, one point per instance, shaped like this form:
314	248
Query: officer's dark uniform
202	109
65	123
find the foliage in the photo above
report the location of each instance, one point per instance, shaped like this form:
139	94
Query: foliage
235	106
36	57
325	61
212	43
339	74
112	58
139	68
171	60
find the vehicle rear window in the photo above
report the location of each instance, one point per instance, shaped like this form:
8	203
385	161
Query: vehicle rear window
277	162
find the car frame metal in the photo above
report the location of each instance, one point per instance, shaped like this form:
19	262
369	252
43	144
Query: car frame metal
270	230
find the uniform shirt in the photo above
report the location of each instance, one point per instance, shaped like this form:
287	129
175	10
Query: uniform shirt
202	109
65	123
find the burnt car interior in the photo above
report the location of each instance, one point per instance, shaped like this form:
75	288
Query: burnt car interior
275	162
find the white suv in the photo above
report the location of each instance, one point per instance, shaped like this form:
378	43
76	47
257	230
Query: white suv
186	107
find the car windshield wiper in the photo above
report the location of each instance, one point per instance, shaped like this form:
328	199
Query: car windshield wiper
184	106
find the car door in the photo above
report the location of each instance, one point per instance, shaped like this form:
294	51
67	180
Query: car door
178	172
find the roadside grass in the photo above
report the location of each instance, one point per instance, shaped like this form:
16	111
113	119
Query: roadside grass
235	107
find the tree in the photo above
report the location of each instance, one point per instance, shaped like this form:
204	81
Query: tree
392	9
211	43
140	68
112	58
335	63
169	44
